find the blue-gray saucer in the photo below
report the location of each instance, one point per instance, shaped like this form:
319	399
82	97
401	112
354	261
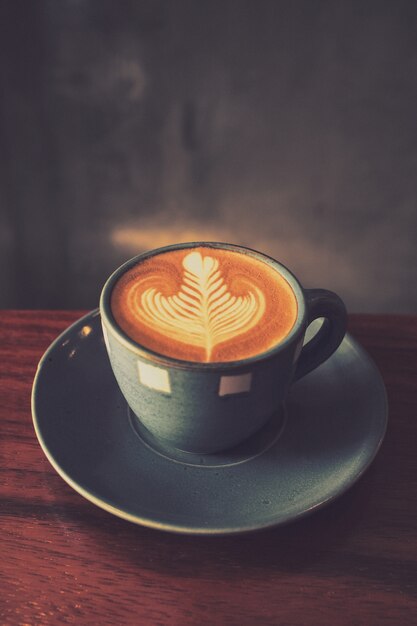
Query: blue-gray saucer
310	453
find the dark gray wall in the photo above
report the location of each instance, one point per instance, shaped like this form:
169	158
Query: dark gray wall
288	126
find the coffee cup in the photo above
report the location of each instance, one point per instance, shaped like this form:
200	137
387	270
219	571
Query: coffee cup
205	340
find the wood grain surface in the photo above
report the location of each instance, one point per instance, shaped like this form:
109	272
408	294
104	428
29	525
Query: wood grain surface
64	561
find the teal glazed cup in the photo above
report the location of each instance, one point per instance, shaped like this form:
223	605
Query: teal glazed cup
208	407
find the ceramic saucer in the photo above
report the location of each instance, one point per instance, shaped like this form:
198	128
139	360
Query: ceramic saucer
332	427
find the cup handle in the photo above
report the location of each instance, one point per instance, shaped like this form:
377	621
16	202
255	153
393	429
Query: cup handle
322	303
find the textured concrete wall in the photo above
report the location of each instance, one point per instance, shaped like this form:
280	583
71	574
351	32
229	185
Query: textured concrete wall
288	126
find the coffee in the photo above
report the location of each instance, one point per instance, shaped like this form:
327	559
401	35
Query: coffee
204	304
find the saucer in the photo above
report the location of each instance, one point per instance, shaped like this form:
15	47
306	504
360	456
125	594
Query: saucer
307	455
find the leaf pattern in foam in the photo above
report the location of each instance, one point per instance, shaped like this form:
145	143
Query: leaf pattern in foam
203	313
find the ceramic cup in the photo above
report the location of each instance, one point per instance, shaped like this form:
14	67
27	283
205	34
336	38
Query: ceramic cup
208	407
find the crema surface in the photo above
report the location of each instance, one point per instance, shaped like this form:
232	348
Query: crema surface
204	304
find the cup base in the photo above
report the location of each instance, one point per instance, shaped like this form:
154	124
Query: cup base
252	447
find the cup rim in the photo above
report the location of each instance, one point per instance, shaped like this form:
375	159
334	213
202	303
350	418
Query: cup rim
156	357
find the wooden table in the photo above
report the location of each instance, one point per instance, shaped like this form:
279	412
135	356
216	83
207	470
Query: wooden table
64	561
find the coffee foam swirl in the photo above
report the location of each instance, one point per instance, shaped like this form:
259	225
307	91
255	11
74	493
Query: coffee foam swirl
203	313
204	304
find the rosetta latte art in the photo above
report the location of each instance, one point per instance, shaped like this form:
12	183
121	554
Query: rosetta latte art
204	303
203	312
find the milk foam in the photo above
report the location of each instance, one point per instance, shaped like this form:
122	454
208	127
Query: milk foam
204	304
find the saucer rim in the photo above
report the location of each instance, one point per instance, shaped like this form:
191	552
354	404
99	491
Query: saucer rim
183	529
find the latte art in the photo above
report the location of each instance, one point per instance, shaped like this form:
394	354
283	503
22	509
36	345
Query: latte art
203	313
204	304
